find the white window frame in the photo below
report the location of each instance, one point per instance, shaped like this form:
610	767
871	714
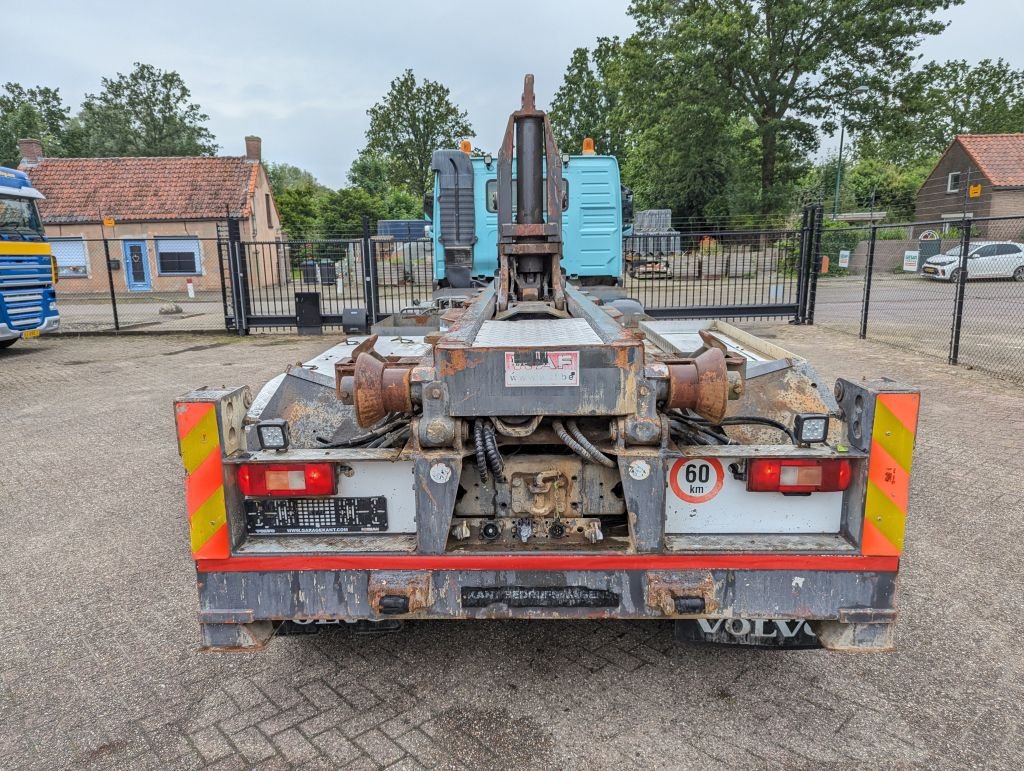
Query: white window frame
197	252
949	182
950	220
85	256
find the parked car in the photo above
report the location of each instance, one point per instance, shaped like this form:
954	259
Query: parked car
986	259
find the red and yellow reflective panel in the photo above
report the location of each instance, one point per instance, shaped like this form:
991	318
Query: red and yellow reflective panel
892	451
199	442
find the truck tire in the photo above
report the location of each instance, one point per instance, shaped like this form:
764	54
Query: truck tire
7	343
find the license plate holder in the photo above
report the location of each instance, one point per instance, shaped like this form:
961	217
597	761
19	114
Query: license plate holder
30	333
316	516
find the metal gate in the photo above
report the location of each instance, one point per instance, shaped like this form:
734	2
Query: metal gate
351	283
727	273
345	283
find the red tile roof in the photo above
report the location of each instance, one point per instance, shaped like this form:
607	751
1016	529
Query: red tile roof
143	189
1000	157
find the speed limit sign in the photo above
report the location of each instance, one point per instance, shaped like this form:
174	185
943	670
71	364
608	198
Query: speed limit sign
696	480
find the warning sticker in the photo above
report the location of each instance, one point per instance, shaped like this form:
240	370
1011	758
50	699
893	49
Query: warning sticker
542	368
696	480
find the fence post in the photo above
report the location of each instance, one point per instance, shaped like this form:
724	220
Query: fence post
370	287
239	277
812	288
961	288
110	283
801	267
869	269
221	235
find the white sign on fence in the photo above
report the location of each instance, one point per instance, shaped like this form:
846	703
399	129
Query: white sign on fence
844	258
910	258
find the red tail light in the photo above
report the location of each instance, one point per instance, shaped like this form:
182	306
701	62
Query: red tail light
287	479
797	475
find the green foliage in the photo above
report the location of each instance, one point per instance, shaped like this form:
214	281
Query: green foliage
297	208
782	66
147	112
836	237
400	204
408	124
584	103
37	113
144	113
928	107
341	212
371	172
284	176
892	234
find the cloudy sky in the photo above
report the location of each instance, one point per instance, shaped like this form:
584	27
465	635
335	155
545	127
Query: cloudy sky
301	74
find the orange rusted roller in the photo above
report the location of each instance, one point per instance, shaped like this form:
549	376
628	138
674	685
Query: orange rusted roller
701	385
380	389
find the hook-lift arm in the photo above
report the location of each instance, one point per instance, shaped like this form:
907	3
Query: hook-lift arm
530	248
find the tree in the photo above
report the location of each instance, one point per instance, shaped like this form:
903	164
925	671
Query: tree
408	124
400	204
932	105
147	112
584	103
37	112
298	208
284	176
341	212
787	64
371	172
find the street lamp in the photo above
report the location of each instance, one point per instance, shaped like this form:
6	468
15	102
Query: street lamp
839	167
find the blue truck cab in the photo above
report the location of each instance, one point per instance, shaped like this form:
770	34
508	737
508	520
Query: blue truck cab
28	271
464	218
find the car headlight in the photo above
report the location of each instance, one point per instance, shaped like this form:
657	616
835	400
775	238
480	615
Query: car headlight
811	428
273	434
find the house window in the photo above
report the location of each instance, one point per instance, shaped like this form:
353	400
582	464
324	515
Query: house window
953	182
72	258
178	257
270	212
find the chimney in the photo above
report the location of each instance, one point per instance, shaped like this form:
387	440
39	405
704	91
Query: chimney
253	149
31	152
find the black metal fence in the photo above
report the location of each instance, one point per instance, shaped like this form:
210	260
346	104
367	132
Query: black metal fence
187	283
952	288
723	274
325	283
171	284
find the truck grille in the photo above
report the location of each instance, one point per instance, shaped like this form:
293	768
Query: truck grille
24	308
23	273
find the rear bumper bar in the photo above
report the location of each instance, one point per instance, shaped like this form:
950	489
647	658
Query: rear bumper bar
236	606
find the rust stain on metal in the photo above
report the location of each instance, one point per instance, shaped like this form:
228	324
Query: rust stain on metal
414	586
664	588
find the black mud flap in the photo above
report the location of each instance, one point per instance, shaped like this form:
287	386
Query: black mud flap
751	632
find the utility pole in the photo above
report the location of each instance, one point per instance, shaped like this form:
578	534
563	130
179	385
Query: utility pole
839	163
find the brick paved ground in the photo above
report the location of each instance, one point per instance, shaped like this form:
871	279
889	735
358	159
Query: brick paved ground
99	667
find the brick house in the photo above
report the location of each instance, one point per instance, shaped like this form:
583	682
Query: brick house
166	214
991	164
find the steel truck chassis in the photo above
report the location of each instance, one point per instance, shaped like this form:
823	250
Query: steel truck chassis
535	458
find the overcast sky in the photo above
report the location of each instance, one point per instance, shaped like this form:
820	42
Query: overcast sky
302	74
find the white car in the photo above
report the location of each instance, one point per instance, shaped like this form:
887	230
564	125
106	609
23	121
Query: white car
986	259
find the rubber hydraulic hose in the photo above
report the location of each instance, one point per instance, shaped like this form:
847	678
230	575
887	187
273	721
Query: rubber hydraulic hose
569	442
481	457
596	454
494	459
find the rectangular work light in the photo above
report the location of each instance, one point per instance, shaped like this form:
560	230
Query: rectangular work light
273	434
811	428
